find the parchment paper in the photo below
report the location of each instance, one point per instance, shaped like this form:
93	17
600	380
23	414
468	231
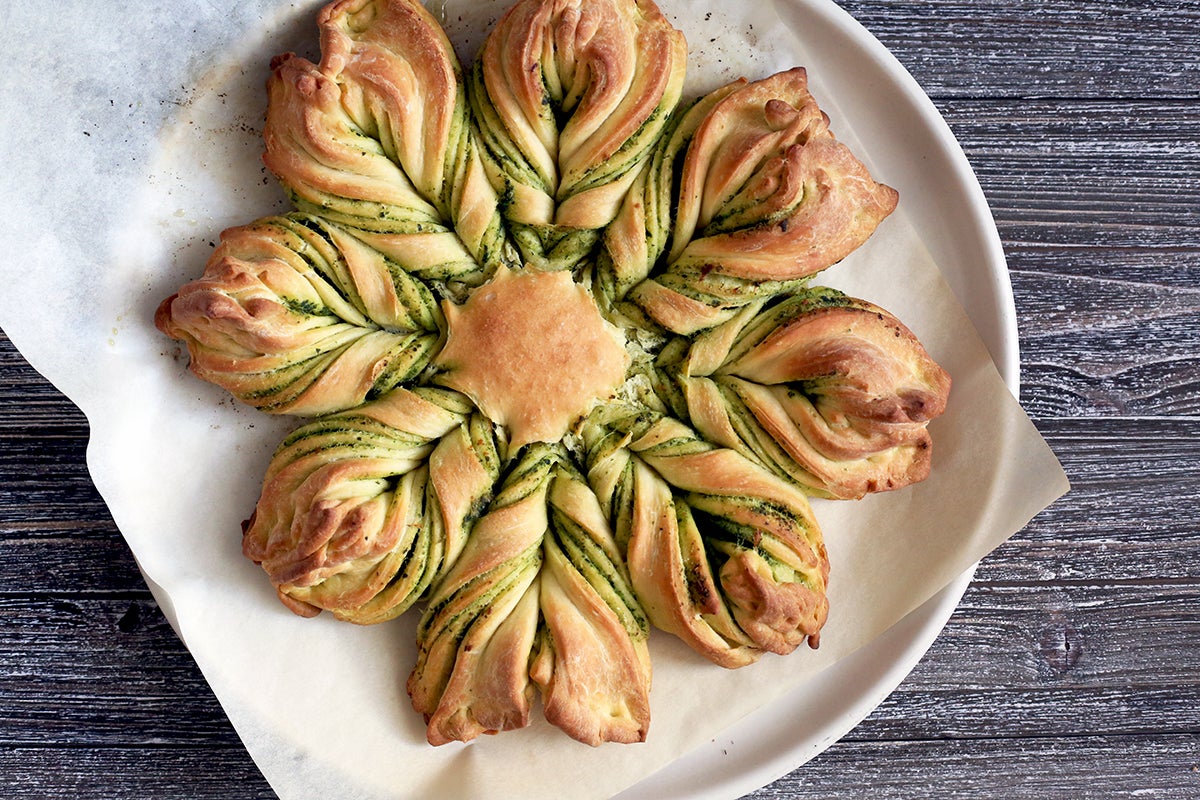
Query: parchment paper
130	143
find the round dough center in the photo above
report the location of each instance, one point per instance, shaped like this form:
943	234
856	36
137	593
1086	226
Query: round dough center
533	352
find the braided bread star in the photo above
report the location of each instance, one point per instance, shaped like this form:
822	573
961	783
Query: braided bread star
566	376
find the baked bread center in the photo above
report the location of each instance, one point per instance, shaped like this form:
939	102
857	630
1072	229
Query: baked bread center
533	352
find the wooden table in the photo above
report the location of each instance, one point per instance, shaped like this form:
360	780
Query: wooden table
1072	666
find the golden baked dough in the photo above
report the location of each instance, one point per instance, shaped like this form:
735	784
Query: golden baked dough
570	97
568	378
377	137
361	511
293	315
640	234
766	197
830	391
535	374
540	599
721	553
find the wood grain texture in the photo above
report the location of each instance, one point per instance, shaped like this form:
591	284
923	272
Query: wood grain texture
1049	768
1095	174
1070	668
1028	49
119	676
210	772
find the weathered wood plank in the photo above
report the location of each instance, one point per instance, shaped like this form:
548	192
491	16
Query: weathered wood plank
43	473
1028	661
1094	173
1106	454
45	488
1069	375
1029	48
131	773
107	671
1167	267
69	494
1125	518
1110	344
1037	768
1055	307
1087	767
62	562
944	715
1148	128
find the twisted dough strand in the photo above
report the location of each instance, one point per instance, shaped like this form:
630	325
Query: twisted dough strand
377	137
293	315
361	511
831	392
570	97
641	232
538	599
766	198
476	634
721	553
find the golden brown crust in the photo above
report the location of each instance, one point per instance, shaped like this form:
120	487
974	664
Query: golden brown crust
534	366
831	391
316	151
570	97
348	517
722	554
641	231
489	687
777	617
294	316
767	197
673	578
462	684
537	597
594	665
377	137
399	81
